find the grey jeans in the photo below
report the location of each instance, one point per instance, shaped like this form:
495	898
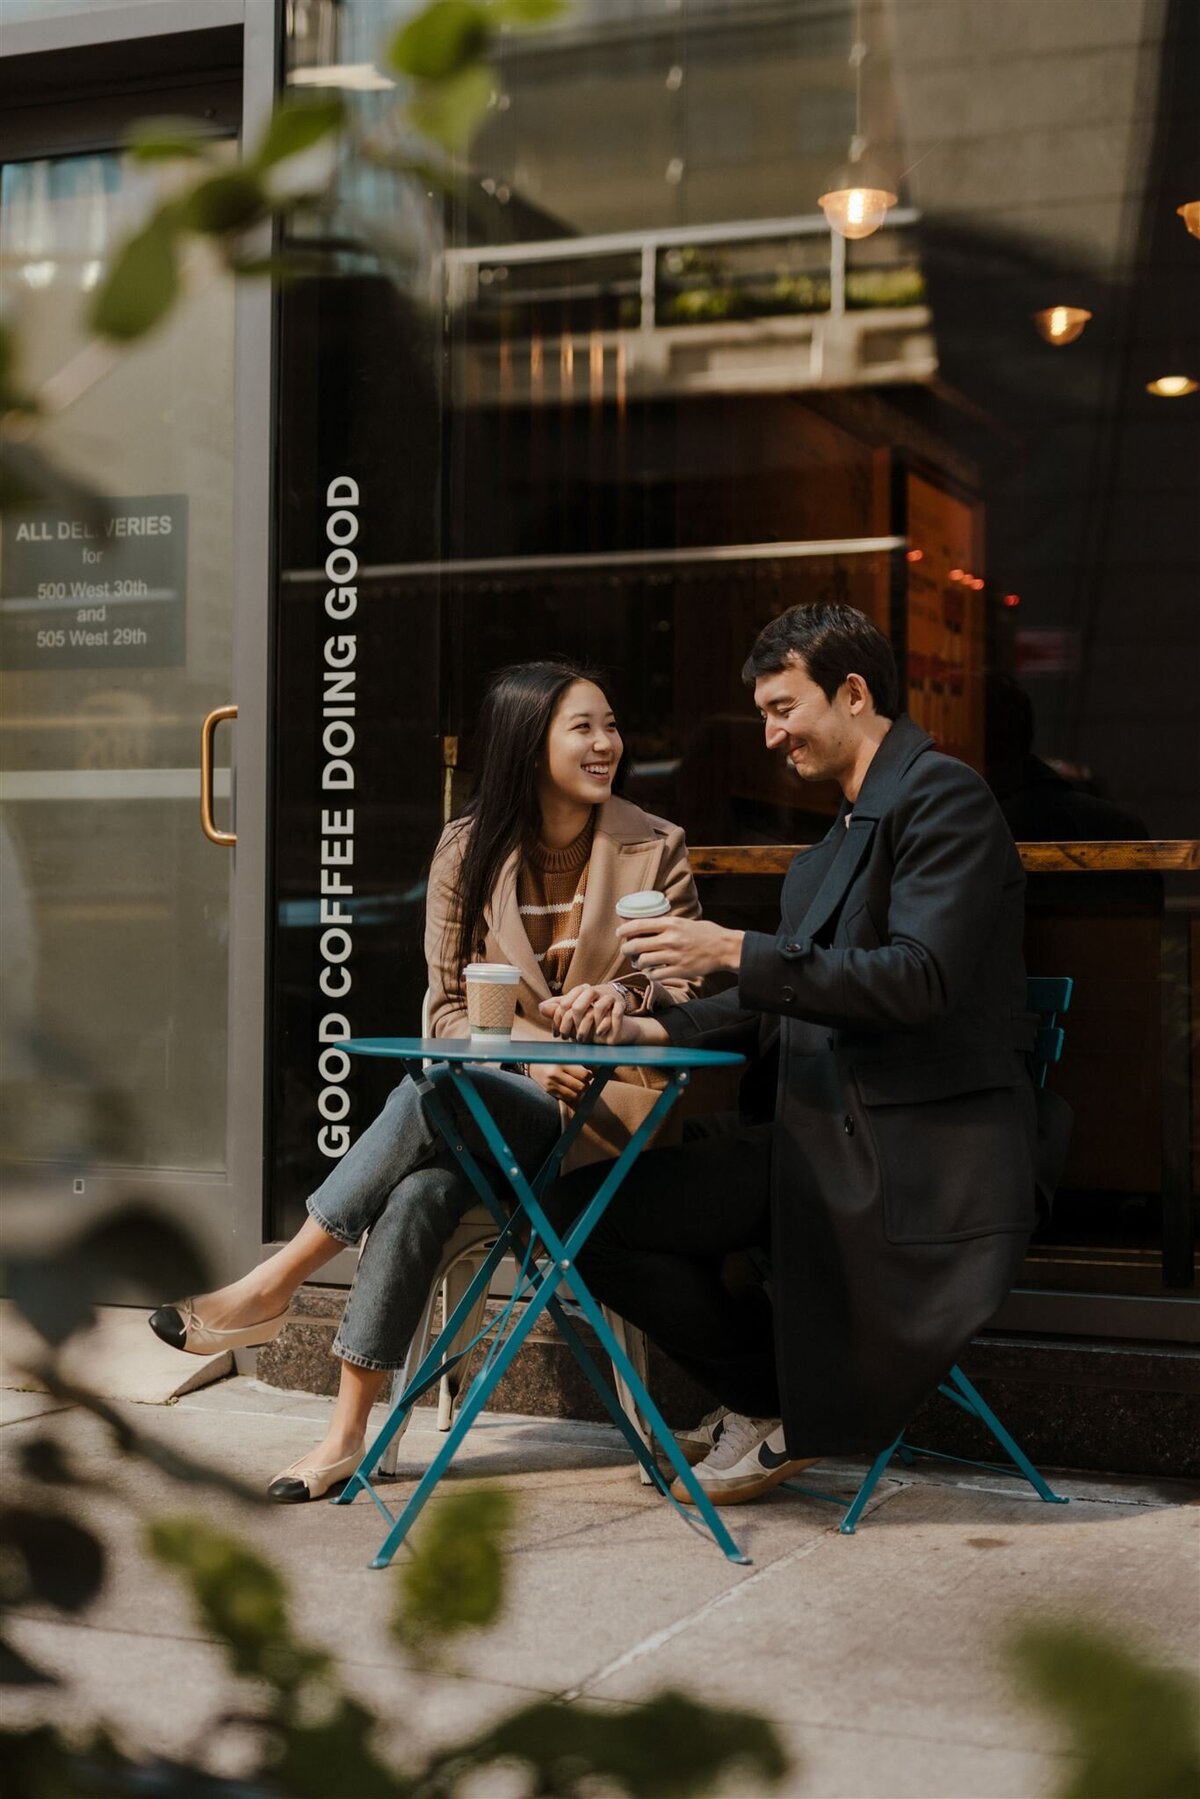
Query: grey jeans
401	1184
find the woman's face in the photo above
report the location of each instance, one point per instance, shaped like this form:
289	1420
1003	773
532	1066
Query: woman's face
583	747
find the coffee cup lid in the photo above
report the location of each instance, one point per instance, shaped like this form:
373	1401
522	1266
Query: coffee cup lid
500	973
650	904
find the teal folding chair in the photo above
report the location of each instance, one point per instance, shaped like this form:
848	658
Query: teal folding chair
1049	997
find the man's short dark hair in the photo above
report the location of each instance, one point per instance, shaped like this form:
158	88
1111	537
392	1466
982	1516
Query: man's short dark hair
832	642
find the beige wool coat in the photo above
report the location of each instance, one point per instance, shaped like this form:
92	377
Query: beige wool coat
631	851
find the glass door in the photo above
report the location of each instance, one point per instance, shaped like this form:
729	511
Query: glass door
117	639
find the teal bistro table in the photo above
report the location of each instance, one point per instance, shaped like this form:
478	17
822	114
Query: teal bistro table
543	1259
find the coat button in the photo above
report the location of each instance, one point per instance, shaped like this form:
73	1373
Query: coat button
848	1125
788	993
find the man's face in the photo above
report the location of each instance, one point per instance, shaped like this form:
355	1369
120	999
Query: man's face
819	737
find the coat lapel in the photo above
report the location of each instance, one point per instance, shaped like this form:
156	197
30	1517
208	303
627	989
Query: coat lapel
505	920
903	743
851	853
624	860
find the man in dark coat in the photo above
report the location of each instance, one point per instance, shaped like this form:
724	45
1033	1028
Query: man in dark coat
894	1188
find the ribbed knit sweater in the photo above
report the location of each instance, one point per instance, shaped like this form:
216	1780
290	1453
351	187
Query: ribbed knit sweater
550	889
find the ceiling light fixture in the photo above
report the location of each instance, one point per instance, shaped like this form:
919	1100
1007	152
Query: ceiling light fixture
859	195
1171	387
1061	324
1189	212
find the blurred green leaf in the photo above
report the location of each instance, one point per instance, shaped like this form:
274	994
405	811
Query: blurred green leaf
241	1599
295	126
668	1748
442	41
53	1293
168	139
11	397
145	1252
230	201
52	1558
291	266
28	475
335	1755
17	1671
43	1459
1134	1726
142	283
454	1579
449	111
529	13
135	1251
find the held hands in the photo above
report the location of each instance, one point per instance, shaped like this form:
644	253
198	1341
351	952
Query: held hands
591	1015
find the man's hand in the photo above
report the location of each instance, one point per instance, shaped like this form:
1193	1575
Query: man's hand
561	1080
680	949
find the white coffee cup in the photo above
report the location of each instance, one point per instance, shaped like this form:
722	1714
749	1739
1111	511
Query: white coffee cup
491	998
649	904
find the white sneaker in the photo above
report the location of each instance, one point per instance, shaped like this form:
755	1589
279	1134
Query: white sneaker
699	1442
748	1459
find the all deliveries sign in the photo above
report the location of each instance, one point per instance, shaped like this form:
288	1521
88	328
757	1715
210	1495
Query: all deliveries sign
103	592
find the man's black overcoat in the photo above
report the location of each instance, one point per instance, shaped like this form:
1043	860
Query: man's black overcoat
903	1160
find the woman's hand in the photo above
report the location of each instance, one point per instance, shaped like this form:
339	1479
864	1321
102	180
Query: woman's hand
587	1013
680	949
561	1080
613	1025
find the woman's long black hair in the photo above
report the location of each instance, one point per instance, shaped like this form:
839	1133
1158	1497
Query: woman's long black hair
502	813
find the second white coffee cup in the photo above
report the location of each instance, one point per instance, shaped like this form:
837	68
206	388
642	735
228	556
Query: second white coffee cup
650	904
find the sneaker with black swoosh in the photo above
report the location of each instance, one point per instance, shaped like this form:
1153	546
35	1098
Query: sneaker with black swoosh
748	1459
702	1439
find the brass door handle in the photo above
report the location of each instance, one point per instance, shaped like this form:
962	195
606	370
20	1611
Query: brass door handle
226	839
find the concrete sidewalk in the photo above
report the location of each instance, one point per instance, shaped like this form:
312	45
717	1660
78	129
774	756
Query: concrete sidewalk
878	1655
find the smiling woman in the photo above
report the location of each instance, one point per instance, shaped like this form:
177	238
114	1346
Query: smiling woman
528	876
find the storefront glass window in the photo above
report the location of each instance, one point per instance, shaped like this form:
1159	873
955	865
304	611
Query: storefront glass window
622	393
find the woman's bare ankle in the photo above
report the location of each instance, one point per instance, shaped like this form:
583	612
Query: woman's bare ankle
338	1442
250	1300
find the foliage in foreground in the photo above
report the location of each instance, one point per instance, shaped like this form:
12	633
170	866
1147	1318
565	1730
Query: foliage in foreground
309	1736
1134	1727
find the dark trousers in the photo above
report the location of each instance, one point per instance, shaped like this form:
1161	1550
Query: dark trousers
657	1257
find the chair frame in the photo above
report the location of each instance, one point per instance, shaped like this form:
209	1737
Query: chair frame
1049	996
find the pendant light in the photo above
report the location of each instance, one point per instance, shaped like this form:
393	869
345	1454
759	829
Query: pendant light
1171	387
1061	324
859	194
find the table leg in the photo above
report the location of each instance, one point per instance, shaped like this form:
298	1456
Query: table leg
481	1390
564	1256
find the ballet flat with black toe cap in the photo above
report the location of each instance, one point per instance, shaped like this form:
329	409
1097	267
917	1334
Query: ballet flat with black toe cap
180	1326
302	1481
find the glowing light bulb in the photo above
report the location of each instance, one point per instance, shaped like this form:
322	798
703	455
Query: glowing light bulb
856	211
1172	387
1061	324
1189	212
